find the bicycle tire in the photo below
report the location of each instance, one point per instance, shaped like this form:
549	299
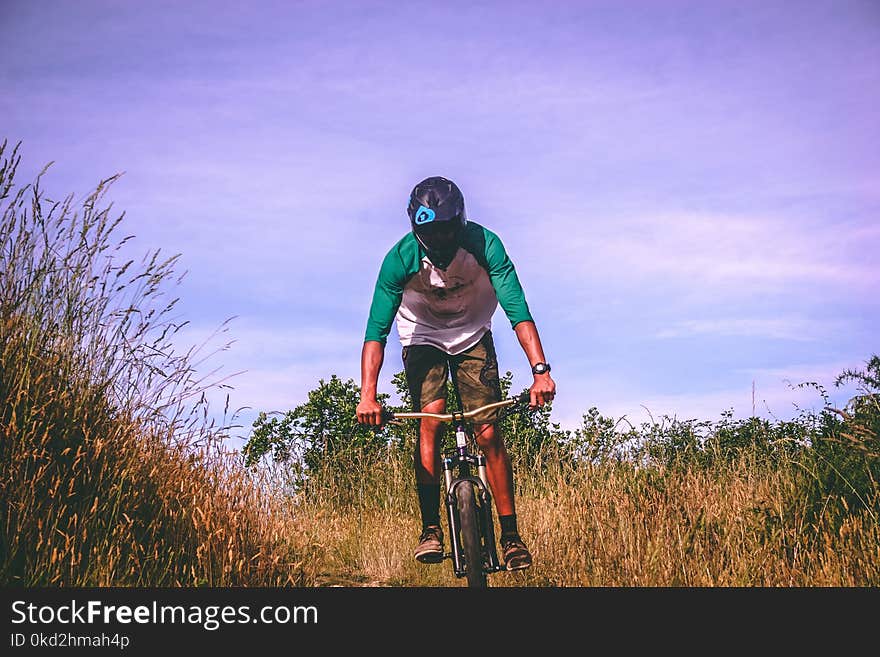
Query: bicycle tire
470	535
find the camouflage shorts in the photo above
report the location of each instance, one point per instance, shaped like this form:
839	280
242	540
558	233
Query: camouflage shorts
476	370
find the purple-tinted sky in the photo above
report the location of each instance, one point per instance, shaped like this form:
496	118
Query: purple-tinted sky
690	190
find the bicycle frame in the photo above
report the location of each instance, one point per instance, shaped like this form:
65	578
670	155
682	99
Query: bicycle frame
456	472
458	466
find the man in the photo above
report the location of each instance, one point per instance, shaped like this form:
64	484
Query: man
443	282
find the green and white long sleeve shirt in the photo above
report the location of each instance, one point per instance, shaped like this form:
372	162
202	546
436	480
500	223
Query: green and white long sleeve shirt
450	309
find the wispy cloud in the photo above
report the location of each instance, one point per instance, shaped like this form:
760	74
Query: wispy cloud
266	368
787	328
247	341
707	254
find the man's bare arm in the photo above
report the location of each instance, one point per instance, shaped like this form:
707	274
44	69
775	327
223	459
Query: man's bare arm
369	411
543	388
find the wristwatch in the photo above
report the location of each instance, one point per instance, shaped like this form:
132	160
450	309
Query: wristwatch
540	368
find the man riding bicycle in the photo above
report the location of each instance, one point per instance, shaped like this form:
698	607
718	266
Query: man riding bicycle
443	282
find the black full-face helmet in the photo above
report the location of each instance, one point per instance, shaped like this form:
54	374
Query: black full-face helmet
437	216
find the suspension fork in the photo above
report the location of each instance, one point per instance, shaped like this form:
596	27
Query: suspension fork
486	521
451	480
487	525
459	461
464	461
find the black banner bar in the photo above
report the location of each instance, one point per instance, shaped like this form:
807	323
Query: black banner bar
140	620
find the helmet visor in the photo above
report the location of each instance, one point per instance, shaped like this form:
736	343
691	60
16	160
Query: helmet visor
440	236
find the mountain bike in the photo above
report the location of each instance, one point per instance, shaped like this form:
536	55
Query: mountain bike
468	499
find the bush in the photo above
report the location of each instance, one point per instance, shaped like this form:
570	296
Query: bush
841	473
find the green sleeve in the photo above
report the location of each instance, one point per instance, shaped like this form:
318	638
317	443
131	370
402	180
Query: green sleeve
504	279
401	262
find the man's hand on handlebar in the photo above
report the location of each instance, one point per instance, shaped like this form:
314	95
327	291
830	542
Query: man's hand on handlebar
370	411
543	390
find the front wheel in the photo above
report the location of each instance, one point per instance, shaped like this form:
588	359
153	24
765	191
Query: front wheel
470	535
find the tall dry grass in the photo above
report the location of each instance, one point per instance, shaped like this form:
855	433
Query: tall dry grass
608	524
110	473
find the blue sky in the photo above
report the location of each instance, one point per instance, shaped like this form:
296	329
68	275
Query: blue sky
689	190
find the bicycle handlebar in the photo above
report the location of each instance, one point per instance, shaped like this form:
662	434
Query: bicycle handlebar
467	415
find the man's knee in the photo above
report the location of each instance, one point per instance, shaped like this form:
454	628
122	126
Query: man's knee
487	435
429	428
